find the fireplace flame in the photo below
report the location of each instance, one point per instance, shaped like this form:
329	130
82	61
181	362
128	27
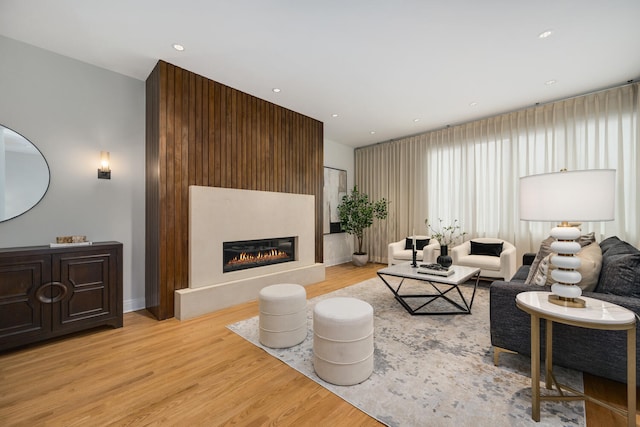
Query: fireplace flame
262	256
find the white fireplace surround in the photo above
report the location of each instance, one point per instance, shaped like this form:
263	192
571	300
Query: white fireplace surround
218	215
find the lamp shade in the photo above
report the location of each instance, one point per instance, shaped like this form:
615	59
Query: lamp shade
587	195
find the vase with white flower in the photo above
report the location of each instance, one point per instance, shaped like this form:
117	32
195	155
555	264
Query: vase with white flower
446	235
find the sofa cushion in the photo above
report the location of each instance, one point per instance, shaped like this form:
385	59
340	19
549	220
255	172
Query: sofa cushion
490	249
420	243
545	250
407	255
621	276
483	262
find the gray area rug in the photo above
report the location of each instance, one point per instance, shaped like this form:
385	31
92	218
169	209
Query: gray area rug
433	370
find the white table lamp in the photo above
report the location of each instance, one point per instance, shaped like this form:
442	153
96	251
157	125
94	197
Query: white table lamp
566	197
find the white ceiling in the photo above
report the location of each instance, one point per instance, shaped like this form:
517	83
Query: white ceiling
378	64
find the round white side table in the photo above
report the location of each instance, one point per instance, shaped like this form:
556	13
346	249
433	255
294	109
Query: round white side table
596	315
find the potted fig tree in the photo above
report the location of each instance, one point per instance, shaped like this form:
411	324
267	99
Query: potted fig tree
356	214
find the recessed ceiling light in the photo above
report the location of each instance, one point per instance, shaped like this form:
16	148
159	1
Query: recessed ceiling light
545	34
334	115
473	104
550	82
373	132
416	120
276	90
178	47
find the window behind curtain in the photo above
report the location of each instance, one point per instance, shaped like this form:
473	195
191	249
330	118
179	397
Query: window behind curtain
470	172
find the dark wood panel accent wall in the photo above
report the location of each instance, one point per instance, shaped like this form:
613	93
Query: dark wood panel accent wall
200	132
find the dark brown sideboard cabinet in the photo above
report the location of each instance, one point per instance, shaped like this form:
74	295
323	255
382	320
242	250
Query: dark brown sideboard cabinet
48	292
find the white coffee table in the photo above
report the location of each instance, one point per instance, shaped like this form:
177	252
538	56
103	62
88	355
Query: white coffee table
596	315
460	275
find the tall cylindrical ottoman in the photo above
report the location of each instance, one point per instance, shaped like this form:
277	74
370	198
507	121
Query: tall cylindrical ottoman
283	315
343	340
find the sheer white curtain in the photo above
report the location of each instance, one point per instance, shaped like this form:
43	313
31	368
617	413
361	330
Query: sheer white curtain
471	172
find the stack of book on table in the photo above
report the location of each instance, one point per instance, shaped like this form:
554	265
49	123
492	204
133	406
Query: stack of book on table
435	270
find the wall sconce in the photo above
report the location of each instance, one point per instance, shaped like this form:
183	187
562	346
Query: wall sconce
104	172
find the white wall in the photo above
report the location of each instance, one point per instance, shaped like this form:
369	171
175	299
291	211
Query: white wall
338	247
71	111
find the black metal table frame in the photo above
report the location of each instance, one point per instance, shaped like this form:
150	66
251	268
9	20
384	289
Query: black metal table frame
433	297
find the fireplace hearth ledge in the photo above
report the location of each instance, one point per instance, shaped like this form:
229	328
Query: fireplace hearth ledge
193	302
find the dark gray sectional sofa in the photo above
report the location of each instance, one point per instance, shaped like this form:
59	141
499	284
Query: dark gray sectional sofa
601	353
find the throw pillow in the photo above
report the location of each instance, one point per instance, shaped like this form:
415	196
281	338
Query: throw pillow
621	276
590	266
490	249
545	249
420	243
608	242
586	239
614	247
542	272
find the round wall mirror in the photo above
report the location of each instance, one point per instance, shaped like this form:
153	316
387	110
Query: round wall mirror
24	174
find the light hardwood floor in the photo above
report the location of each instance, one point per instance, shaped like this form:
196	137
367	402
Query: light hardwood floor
187	373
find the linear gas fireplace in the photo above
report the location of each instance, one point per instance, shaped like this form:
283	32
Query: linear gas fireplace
241	255
218	215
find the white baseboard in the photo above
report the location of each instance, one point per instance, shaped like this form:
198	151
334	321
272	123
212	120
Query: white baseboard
133	305
337	261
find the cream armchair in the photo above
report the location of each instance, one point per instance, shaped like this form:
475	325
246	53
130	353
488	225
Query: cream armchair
398	253
491	266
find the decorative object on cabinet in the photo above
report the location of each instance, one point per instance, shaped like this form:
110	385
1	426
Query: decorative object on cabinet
48	292
71	239
65	241
66	245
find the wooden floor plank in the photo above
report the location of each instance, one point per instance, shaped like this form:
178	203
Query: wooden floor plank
193	372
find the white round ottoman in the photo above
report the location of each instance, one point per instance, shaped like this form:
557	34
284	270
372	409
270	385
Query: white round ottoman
283	315
343	340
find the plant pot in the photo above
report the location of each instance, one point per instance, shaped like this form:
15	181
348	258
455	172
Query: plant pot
444	259
360	259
